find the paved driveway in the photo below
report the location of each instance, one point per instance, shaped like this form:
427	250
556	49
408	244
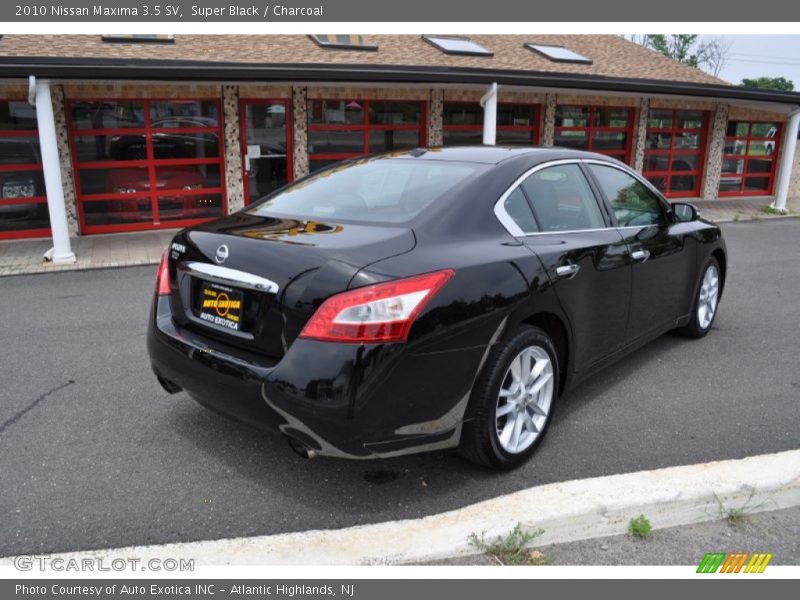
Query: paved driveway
94	454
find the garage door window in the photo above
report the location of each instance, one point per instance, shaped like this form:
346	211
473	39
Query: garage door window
748	162
675	150
144	164
341	129
517	124
23	202
602	129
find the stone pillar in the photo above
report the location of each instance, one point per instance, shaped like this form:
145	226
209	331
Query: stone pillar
65	158
300	125
549	120
640	134
234	175
716	146
435	113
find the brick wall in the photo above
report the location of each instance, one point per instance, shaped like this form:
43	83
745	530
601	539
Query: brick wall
367	93
141	90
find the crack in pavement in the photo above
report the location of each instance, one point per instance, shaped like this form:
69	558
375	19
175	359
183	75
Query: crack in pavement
8	423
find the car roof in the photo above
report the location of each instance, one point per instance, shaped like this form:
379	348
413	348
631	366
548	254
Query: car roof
493	155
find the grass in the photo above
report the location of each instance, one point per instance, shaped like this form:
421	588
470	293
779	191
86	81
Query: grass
640	527
511	549
768	210
738	515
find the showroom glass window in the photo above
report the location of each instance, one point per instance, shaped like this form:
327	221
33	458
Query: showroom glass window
340	129
23	202
146	163
675	150
603	129
749	158
517	124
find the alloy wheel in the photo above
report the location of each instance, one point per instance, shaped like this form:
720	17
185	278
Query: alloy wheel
524	401
709	295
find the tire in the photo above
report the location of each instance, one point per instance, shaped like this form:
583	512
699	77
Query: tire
699	323
485	439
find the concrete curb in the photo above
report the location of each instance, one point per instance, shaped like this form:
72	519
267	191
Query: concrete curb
567	511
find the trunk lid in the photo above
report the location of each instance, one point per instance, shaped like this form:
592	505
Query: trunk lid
279	270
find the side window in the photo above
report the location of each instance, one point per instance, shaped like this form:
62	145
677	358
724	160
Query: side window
633	203
517	207
562	199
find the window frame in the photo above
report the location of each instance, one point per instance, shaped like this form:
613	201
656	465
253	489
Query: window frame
664	205
672	153
773	157
534	129
150	163
365	127
591	128
605	207
17	167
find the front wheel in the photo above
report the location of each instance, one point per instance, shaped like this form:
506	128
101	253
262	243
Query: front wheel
512	401
706	301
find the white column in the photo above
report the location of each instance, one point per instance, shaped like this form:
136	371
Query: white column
787	158
62	251
489	104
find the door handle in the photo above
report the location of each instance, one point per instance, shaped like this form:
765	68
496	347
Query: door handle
567	271
640	255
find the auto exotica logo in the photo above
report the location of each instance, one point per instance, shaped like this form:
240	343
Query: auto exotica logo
736	562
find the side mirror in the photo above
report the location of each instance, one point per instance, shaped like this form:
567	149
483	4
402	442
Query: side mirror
685	212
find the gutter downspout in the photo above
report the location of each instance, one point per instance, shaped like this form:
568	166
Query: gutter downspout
489	105
787	160
39	96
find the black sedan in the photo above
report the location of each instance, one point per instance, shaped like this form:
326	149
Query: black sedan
429	299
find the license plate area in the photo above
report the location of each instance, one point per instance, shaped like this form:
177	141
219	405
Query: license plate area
220	305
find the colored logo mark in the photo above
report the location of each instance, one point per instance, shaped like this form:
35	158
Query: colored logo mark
736	562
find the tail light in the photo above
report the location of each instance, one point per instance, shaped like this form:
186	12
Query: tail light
162	279
383	312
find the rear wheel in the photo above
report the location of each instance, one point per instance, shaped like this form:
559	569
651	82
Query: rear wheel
706	301
512	401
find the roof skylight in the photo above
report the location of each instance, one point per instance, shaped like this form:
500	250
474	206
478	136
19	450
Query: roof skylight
343	42
558	53
145	38
457	45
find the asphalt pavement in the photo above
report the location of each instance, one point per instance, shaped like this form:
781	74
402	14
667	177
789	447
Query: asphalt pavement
93	454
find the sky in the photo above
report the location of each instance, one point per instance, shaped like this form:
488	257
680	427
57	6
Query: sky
754	56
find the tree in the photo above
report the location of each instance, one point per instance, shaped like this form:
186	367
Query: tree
707	54
770	83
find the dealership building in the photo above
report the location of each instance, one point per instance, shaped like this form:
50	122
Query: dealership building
106	134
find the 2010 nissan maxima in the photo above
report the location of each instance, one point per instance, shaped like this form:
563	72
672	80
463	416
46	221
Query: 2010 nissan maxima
429	299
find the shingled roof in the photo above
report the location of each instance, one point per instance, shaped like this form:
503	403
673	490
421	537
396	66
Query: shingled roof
611	55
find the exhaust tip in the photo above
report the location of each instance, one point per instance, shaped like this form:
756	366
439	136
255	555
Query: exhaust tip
301	449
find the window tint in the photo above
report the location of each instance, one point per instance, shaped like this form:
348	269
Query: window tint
562	199
372	190
633	203
519	210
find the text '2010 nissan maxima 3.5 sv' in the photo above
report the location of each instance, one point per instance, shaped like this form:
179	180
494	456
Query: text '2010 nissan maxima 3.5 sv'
430	299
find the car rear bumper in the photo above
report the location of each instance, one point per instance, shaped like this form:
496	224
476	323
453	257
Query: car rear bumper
342	400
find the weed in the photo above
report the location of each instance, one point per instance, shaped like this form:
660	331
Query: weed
640	527
511	549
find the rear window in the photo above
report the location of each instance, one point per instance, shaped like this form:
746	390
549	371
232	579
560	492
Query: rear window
370	190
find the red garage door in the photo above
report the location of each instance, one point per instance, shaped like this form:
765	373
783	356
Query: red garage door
146	164
748	163
603	129
23	203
